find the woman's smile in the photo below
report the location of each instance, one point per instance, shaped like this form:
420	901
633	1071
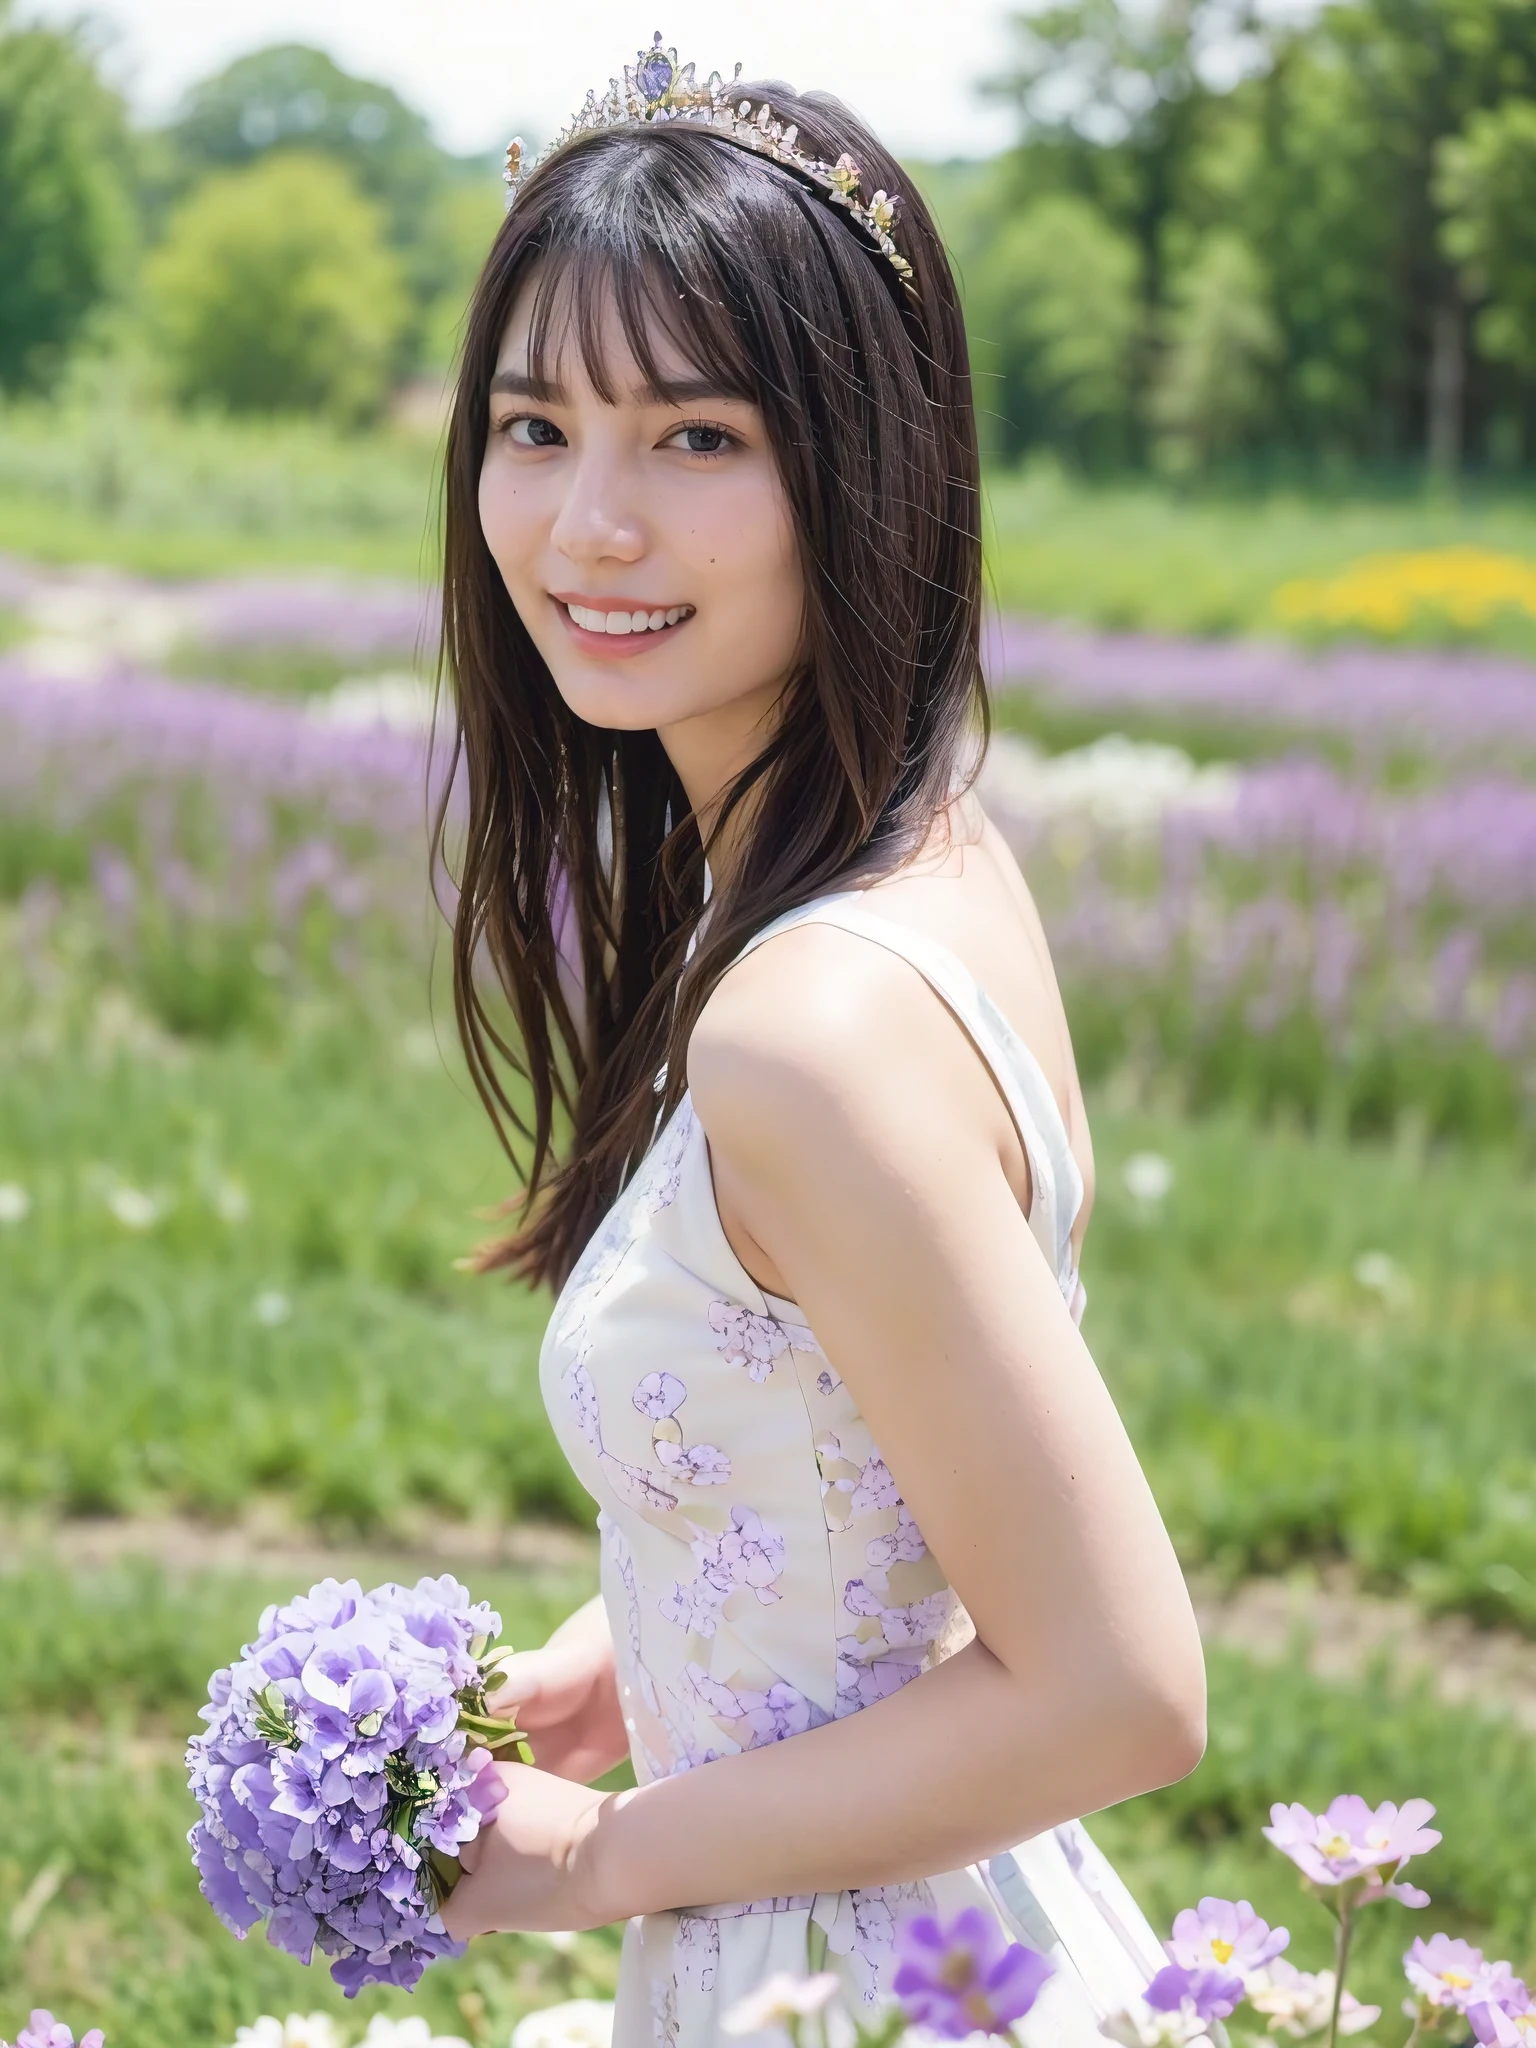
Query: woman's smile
619	625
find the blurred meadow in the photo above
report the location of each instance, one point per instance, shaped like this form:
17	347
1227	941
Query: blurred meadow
1262	543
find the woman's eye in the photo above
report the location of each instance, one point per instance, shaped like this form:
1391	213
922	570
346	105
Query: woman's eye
703	440
530	431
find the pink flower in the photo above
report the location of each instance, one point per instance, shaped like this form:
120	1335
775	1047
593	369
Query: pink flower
1218	1935
1350	1841
1448	1972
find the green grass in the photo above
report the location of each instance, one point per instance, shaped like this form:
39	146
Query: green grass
1285	1409
1141	556
130	484
347	1161
102	1676
1288	1409
133	486
101	1673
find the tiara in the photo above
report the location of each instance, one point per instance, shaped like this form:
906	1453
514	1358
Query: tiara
656	88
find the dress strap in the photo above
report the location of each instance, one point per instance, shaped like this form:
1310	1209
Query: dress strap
1055	1177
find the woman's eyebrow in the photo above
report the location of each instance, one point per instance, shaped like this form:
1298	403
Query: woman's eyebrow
519	384
676	391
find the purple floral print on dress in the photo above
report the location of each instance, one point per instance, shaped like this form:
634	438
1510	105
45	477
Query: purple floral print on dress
583	1398
660	1394
757	1718
922	1622
876	1488
903	1545
700	1464
827	1384
633	1483
747	1339
696	1951
746	1554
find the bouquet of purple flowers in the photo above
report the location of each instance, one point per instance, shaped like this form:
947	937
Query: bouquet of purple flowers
345	1763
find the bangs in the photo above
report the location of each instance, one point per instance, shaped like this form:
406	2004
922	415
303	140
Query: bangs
661	305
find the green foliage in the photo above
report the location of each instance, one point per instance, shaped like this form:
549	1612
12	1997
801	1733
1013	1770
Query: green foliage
274	291
1487	186
1289	1409
109	475
1321	160
440	212
1135	556
63	223
1215	389
290	1321
1057	308
1278	1733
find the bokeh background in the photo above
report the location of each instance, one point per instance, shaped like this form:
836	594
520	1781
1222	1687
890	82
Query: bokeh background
1253	298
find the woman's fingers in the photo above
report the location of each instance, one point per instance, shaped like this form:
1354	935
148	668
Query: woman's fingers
539	1688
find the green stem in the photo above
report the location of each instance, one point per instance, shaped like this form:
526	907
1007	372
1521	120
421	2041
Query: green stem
1341	1958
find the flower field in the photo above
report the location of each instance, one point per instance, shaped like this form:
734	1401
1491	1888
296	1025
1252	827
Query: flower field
1293	899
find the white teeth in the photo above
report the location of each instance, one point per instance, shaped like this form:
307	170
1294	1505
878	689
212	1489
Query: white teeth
626	622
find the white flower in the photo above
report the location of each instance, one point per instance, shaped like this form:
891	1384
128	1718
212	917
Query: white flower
271	1308
299	2030
133	1208
414	2032
1148	1176
15	1203
1148	2028
579	2023
1299	2002
1380	1274
778	1998
229	1201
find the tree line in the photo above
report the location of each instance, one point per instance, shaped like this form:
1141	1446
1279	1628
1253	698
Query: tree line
1219	237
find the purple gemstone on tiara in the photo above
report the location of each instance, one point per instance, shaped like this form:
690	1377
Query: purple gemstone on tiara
653	74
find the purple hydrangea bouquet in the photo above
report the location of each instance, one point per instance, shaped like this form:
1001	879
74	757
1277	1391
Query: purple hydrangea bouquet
346	1761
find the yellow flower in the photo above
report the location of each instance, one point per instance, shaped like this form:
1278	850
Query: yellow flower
1464	586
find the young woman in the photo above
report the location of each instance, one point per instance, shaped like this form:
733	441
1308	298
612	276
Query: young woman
886	1601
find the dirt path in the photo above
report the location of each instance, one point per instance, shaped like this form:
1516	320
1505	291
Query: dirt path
1341	1631
1346	1631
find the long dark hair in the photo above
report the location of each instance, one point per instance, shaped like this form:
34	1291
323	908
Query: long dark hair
864	385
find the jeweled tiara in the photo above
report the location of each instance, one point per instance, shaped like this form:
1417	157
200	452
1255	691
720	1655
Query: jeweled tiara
656	88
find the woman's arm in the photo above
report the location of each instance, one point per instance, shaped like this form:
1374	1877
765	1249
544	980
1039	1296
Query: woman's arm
859	1141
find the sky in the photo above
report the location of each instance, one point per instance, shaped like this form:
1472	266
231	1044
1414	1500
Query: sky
482	70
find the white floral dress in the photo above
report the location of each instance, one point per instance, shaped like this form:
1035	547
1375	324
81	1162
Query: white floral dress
763	1575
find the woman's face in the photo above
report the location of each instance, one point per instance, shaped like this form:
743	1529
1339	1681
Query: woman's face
647	545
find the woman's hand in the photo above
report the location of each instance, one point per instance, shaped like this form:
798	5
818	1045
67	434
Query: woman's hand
564	1699
526	1870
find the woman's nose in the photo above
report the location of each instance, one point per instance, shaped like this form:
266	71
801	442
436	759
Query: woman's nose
598	519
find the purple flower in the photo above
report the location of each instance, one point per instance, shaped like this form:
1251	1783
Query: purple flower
44	2031
333	1768
1496	2028
1351	1840
1205	1994
1448	1972
967	1977
1219	1936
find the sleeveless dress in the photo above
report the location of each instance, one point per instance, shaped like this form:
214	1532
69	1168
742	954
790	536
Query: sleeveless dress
763	1576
